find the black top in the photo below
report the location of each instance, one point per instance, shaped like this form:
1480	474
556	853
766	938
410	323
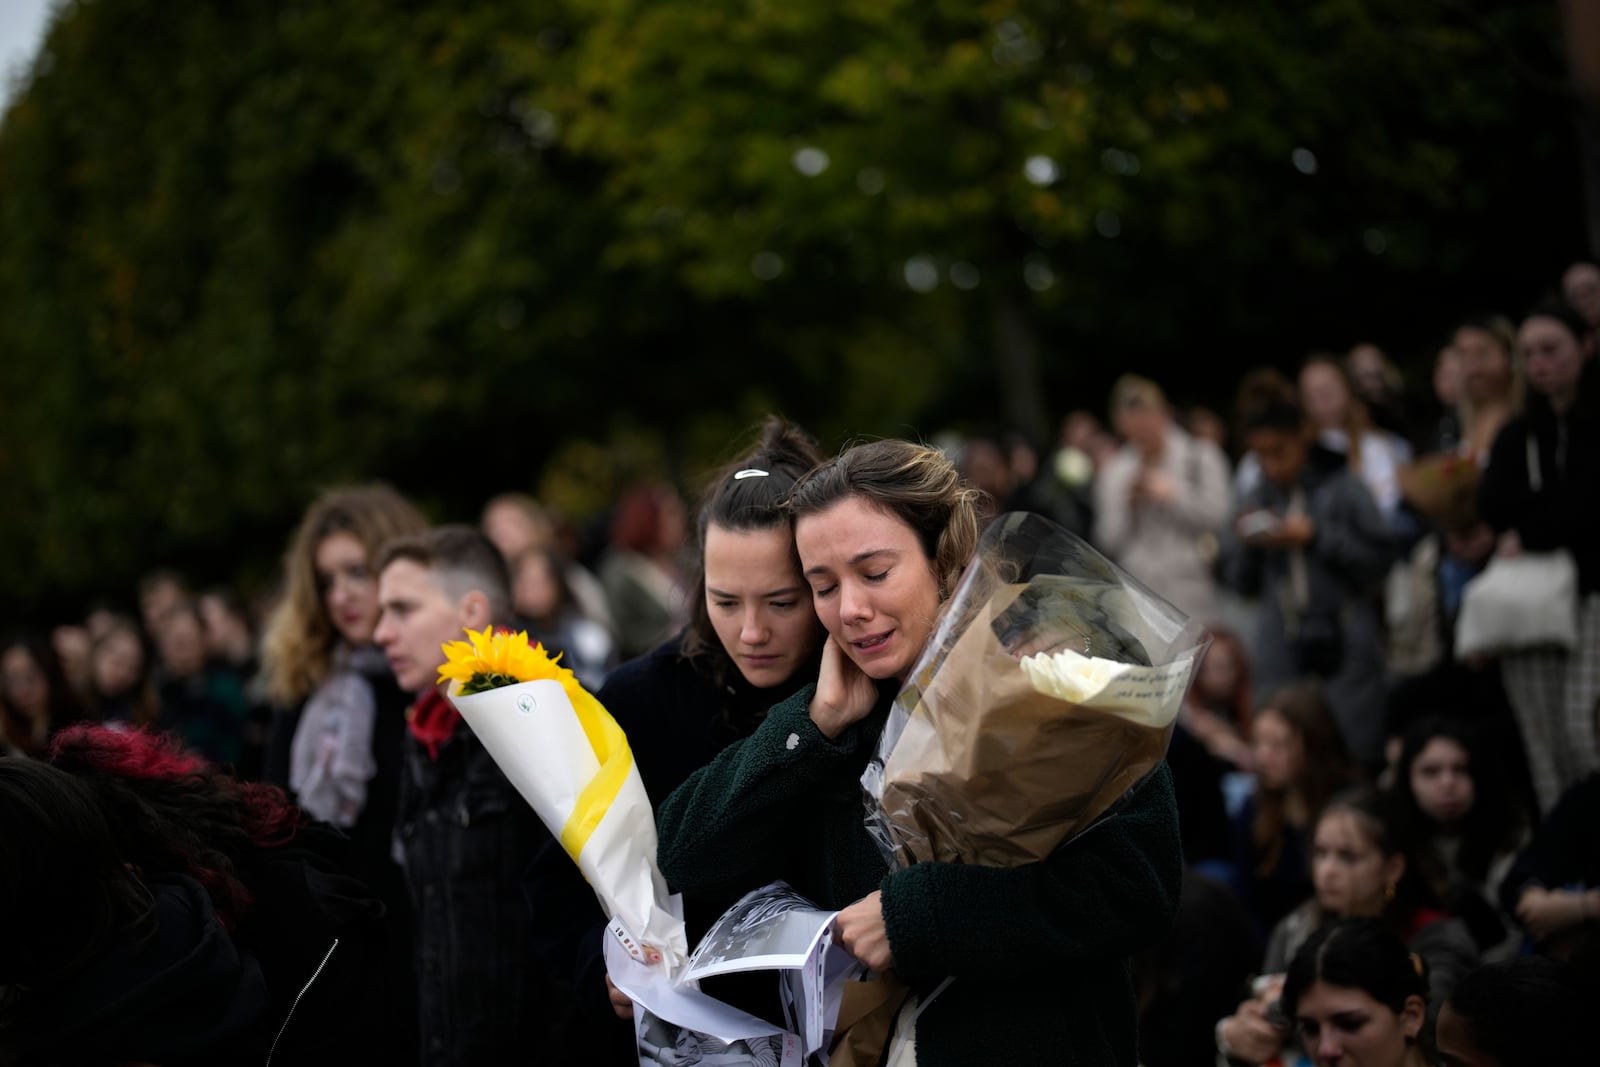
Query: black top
1562	511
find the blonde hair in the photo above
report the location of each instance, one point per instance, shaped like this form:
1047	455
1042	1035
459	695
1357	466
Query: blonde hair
297	649
917	485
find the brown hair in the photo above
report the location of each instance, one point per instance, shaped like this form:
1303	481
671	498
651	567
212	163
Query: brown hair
297	649
1356	420
461	559
1324	769
756	502
1236	703
917	485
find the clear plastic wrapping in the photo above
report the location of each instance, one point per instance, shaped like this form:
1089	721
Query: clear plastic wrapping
987	760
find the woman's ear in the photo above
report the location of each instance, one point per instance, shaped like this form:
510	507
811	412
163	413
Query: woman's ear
1412	1015
1394	869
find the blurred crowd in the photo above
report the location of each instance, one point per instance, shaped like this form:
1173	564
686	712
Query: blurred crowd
1337	757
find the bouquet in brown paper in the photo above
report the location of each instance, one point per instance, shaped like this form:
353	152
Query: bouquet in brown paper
1048	690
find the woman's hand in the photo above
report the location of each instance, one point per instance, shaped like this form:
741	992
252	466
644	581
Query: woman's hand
1249	1035
860	929
620	1003
844	693
1547	912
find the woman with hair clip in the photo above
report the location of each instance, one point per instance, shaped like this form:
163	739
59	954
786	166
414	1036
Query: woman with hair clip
1039	953
1359	998
752	641
168	913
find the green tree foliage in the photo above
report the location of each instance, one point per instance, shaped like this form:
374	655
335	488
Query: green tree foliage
248	248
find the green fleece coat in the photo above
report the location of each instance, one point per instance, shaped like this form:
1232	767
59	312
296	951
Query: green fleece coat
1039	952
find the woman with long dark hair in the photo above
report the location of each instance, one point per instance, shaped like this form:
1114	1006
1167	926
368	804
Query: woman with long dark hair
35	697
1359	998
751	642
1465	829
1300	761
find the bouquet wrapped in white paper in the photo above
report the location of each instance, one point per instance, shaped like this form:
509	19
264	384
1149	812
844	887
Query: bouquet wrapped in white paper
1048	690
570	761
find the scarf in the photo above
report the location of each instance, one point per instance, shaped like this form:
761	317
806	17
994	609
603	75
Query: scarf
432	721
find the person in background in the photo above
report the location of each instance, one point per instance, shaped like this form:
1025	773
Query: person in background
35	698
340	720
160	591
1205	424
1300	761
71	645
1538	493
1343	425
1449	801
1218	709
641	571
1361	869
1580	286
1553	888
541	598
485	993
121	691
1380	389
201	703
231	646
1006	468
1444	432
1531	1011
1315	548
1161	502
1358	998
516	523
1491	381
1422	595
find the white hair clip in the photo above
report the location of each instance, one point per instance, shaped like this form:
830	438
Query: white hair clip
748	472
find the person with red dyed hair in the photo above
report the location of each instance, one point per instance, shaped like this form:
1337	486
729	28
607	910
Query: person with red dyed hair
642	571
177	915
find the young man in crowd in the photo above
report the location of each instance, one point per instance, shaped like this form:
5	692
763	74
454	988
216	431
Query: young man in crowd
1313	545
467	838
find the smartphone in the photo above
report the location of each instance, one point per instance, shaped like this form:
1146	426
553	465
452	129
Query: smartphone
1258	523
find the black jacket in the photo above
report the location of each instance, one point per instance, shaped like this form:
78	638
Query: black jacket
468	838
1563	511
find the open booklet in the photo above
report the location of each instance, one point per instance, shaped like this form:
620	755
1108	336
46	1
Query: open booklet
773	928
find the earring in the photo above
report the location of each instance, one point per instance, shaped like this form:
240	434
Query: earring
1388	892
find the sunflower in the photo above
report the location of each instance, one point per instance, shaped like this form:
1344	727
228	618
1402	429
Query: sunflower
495	659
